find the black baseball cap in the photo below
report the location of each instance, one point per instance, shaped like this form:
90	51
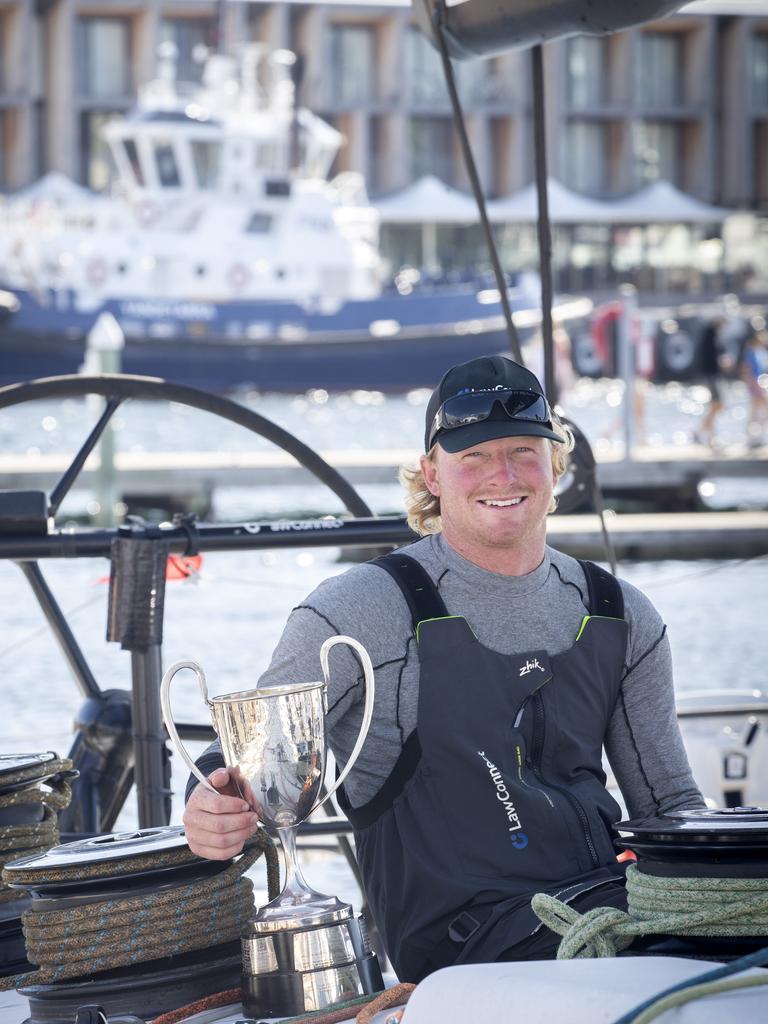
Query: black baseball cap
483	377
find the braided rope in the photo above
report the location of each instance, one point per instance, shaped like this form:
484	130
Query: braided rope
103	935
38	770
718	907
17	841
115	868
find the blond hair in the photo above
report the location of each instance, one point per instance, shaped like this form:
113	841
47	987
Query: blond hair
423	508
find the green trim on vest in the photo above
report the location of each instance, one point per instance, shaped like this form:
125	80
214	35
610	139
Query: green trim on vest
442	618
588	618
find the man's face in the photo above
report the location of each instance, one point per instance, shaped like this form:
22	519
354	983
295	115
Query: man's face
494	499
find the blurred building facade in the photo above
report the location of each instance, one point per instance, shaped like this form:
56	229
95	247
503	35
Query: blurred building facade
684	99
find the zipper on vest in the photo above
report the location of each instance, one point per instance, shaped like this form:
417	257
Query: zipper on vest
536	751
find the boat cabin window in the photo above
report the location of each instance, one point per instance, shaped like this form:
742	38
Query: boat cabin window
132	153
205	157
315	157
165	161
269	156
259	224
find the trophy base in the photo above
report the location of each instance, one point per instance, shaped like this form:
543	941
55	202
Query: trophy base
301	966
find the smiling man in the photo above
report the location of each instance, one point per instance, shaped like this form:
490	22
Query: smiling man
503	668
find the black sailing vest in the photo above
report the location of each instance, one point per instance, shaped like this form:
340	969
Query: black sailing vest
499	791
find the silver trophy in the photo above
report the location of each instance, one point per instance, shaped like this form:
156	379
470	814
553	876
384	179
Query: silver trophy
303	951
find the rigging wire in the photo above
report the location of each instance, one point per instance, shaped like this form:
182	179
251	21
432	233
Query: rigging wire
719	567
543	227
477	189
45	630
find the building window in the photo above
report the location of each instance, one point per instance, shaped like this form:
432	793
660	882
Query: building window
38	39
760	72
97	167
40	154
659	69
659	151
586	157
431	147
352	55
424	80
104	45
165	163
193	38
2	51
132	155
205	159
587	72
499	86
259	224
761	166
3	149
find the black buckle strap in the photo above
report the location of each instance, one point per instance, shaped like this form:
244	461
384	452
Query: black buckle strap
460	930
464	926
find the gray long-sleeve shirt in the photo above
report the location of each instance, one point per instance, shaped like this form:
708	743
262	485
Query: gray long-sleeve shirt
509	614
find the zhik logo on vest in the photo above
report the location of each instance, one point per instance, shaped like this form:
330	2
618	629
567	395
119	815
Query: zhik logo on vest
517	837
529	666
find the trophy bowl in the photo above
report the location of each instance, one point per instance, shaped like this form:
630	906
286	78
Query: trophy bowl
304	950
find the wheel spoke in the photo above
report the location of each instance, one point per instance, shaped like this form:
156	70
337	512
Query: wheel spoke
61	489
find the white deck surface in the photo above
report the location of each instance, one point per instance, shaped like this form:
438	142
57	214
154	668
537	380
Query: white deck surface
576	991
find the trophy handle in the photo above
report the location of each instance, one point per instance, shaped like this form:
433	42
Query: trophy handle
165	704
367	709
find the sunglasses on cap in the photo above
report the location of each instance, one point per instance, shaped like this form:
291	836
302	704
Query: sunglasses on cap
476	406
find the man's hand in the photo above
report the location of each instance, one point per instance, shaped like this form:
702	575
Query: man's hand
217	825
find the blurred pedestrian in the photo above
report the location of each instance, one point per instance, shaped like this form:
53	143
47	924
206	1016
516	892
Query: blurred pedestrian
753	366
565	375
711	365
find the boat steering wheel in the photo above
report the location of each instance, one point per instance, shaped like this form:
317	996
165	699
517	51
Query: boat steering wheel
104	784
118	388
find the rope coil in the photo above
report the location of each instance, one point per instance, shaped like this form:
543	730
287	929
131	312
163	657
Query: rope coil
25	840
104	935
716	907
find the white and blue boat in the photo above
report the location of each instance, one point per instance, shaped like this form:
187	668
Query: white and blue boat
227	256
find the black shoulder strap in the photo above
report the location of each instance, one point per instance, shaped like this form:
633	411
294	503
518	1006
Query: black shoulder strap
419	591
605	596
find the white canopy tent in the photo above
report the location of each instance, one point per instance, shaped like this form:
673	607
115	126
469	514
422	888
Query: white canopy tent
659	226
428	203
663	203
565	206
428	199
53	187
659	203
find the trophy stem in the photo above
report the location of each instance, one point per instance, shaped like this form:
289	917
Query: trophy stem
295	891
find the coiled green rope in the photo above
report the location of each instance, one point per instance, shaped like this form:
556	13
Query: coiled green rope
717	907
103	935
25	840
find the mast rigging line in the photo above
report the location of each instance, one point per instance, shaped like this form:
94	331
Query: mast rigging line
477	189
543	227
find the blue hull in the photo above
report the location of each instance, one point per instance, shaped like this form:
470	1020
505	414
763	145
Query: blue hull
270	347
